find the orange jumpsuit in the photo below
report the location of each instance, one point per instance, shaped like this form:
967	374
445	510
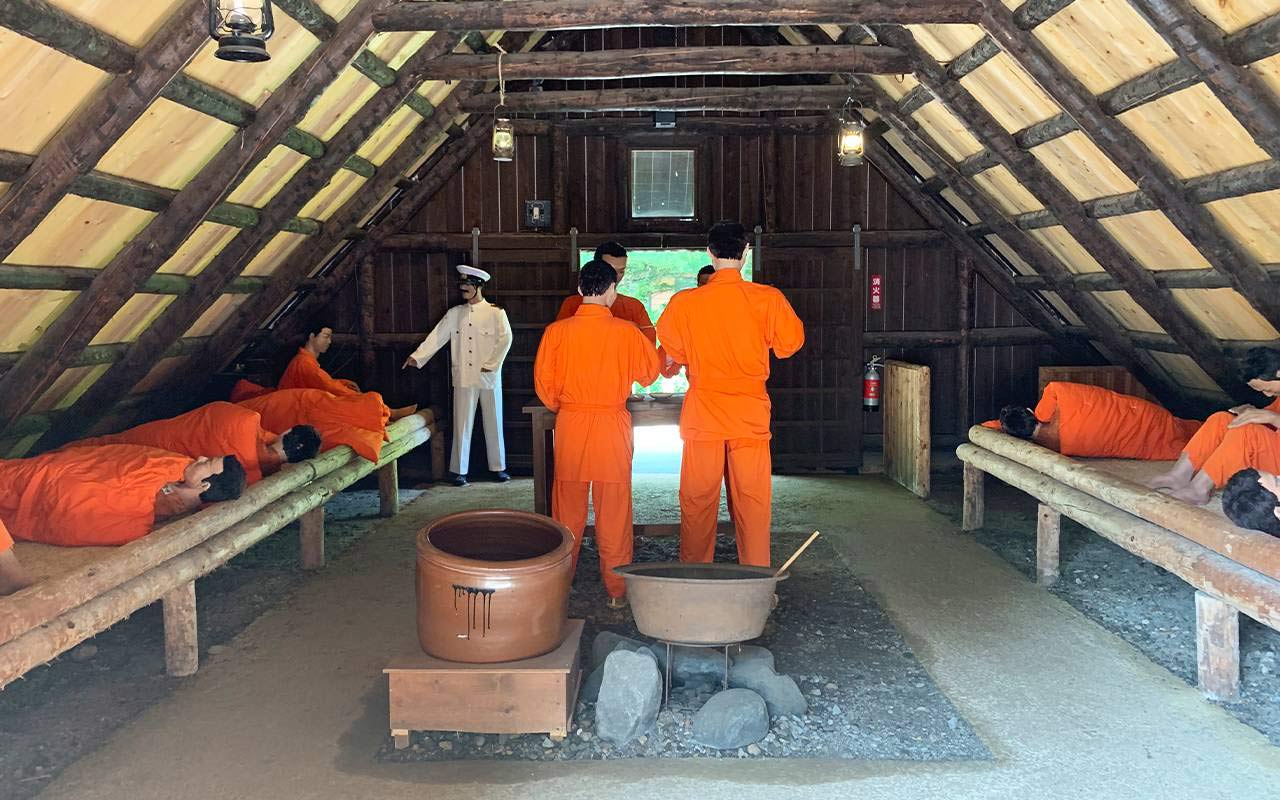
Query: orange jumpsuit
218	429
1221	452
357	420
724	331
86	497
583	371
628	308
1092	422
305	372
6	541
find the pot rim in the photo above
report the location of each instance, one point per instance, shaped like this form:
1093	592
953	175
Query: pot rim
765	574
547	560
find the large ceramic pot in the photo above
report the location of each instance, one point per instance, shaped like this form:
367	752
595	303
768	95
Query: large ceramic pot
493	585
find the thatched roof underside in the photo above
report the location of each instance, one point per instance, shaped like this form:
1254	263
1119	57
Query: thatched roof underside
1095	151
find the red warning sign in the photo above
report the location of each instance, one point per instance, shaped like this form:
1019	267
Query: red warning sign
877	292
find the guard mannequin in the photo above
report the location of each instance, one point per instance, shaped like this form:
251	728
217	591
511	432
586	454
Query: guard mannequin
479	336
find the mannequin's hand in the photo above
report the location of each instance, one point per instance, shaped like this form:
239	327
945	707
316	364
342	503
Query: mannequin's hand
485	369
409	362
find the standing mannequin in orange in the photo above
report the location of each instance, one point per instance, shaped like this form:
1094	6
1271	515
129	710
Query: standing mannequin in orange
628	308
305	372
221	427
724	331
583	371
356	420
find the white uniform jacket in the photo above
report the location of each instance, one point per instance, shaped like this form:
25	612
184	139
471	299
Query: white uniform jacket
479	337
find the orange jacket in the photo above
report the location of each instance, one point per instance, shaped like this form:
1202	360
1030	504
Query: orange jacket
723	332
218	429
86	496
583	371
357	420
628	308
305	372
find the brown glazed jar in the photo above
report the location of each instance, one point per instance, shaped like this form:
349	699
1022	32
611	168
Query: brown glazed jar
493	585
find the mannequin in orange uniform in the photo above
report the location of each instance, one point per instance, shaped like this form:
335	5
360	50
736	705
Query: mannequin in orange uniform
357	420
724	332
109	495
221	427
1230	441
1091	422
628	308
583	371
305	372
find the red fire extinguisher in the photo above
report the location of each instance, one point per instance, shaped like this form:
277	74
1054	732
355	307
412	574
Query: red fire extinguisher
871	385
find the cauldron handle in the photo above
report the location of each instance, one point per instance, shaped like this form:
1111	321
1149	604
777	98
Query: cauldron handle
797	553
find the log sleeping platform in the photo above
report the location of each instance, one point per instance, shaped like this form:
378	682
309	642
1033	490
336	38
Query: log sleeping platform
1234	570
82	591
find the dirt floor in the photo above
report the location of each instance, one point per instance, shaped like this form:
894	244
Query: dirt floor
1148	607
60	712
869	697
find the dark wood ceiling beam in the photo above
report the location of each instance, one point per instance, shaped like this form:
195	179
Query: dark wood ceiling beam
129	270
667	61
1165	278
1033	12
179	315
980	161
53	27
80	144
309	15
755	98
980	53
1132	156
916	98
1202	43
607	126
1164	80
1254	43
98	354
77	279
529	15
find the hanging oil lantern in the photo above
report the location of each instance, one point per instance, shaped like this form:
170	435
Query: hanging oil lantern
241	28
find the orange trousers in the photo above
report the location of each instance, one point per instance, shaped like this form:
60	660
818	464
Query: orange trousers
6	541
1220	452
614	537
750	482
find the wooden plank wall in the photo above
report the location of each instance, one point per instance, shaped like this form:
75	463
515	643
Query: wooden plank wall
907	411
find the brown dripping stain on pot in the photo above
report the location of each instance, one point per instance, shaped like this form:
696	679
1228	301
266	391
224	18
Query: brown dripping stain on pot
493	585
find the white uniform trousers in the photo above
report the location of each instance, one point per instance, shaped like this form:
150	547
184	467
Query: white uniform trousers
464	418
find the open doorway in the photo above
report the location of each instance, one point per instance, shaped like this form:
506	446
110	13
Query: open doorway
653	276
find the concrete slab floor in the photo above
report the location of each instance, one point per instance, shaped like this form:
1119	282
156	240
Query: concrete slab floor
296	706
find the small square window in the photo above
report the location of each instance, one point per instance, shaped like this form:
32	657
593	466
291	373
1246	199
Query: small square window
662	184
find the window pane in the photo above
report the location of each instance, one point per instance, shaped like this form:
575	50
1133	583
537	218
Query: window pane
662	183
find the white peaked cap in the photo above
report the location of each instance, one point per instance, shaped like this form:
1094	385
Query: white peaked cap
472	272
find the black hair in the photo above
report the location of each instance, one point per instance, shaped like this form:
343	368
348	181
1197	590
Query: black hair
707	270
1249	505
610	249
1261	363
226	485
727	240
1018	421
300	443
596	277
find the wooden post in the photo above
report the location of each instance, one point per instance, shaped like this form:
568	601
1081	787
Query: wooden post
181	639
964	362
368	313
559	180
311	538
769	184
389	490
540	456
1217	647
974	500
1048	536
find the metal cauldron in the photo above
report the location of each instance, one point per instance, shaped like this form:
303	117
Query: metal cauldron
700	604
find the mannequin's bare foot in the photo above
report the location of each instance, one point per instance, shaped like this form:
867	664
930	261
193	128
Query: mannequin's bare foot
1191	493
13	576
401	413
1178	476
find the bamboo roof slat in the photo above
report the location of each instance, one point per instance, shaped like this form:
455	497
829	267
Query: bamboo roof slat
1186	371
26	313
945	42
268	177
896	86
1193	133
1054	299
396	48
40	91
1067	250
271	256
79	232
1252	221
1105	41
1009	194
132	318
199	249
1154	241
217	313
1017	261
132	25
1086	172
339	103
1009	94
384	141
960	205
337	8
1130	315
948	131
1268	69
167	146
253	83
336	192
1225	314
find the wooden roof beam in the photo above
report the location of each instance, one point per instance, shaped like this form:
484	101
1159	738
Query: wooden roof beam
77	279
656	62
604	126
309	15
528	15
53	27
754	98
1131	155
129	270
1254	43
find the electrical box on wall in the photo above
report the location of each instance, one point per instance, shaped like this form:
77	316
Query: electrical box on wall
537	214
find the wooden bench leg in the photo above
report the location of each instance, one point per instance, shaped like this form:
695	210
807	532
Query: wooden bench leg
1048	535
974	500
389	490
400	738
181	642
311	538
1217	647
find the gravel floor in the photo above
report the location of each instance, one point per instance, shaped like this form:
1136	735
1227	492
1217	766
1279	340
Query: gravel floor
1146	606
868	696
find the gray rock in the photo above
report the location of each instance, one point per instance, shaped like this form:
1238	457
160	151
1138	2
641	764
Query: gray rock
608	641
732	719
84	652
217	649
750	652
692	664
630	694
590	690
780	692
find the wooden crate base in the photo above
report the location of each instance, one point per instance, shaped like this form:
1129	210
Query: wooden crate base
536	695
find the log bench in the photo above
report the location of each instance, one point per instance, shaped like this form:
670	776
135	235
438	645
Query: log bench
82	591
1234	570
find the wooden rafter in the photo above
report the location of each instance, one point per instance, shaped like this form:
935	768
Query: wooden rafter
529	15
179	315
1135	159
53	27
753	98
129	270
1095	239
652	62
76	148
